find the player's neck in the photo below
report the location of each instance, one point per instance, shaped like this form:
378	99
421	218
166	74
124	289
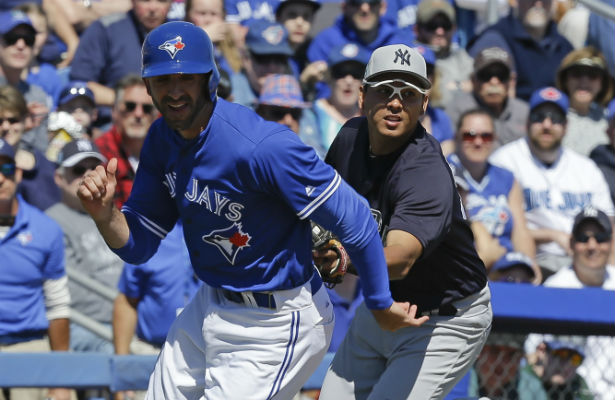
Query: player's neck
200	122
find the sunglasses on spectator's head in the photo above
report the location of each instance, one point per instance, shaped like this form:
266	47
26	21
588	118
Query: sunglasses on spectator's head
11	120
601	237
130	106
345	69
11	37
471	136
555	117
435	23
7	169
571	355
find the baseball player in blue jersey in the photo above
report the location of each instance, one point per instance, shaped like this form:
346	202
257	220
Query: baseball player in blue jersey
244	189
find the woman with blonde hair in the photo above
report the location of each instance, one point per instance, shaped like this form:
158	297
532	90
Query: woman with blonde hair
584	78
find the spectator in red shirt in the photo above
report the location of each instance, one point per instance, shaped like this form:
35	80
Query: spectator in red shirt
132	115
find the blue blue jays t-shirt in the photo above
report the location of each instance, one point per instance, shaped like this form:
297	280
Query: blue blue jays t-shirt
244	190
31	252
164	284
487	200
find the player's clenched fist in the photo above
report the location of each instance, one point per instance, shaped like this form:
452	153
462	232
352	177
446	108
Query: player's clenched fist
97	189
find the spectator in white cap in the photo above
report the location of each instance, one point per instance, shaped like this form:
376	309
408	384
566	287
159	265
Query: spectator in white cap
557	182
389	158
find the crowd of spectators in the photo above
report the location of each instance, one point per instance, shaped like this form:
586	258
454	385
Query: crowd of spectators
523	109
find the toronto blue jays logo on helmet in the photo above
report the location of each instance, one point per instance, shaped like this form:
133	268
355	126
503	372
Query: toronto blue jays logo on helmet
229	240
173	46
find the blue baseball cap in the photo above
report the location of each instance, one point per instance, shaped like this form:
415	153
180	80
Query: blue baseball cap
348	52
73	90
266	37
7	150
282	91
11	19
549	94
427	53
512	259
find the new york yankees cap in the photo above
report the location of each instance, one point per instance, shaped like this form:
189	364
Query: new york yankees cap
592	214
77	150
397	58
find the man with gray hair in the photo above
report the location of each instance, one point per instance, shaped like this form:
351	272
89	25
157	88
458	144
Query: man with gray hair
387	156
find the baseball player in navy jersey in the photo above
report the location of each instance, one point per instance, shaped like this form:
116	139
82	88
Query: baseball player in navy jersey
389	158
244	189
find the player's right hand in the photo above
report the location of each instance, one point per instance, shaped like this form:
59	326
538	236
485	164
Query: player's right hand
399	315
97	189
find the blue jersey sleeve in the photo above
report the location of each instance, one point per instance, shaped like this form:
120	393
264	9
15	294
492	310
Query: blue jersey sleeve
347	215
284	166
150	210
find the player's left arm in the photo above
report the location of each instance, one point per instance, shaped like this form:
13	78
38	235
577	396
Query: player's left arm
401	252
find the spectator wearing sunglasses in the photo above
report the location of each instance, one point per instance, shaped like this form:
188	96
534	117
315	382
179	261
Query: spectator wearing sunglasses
86	251
557	182
346	68
592	245
362	22
281	101
584	78
17	38
529	34
37	185
493	85
493	197
35	297
267	52
435	27
556	363
133	113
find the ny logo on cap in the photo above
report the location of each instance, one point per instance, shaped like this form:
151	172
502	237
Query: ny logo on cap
173	46
403	55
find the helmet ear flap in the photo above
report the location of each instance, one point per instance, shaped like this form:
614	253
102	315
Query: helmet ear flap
179	47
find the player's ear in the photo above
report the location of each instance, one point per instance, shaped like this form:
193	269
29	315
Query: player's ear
425	103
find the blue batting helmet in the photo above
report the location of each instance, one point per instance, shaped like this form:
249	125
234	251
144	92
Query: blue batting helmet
179	48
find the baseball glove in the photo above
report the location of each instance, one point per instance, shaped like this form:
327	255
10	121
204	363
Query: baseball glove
332	272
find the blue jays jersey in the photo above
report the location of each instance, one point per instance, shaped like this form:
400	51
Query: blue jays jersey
487	200
244	190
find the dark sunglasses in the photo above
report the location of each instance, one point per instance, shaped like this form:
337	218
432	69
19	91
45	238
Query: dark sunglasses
601	237
277	113
130	106
486	74
357	3
270	58
591	73
342	71
436	23
568	355
11	37
470	136
12	120
555	117
7	169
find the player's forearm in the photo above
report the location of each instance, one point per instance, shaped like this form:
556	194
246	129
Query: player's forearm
124	324
104	95
114	229
401	252
59	334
